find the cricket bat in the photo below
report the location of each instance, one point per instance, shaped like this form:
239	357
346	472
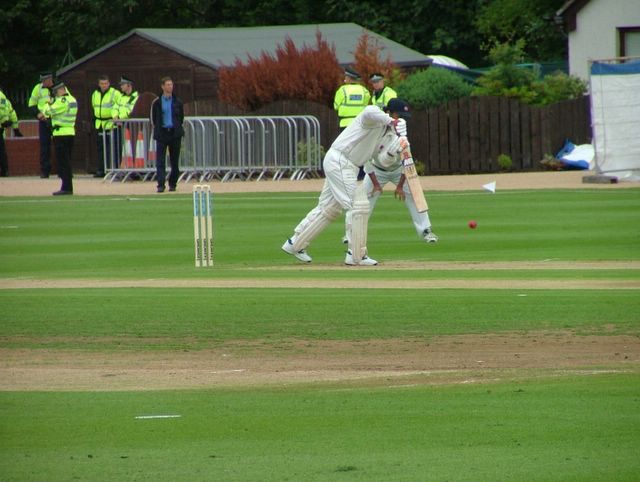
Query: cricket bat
411	176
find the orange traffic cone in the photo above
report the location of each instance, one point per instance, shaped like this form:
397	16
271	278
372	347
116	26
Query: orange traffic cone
127	153
152	151
139	160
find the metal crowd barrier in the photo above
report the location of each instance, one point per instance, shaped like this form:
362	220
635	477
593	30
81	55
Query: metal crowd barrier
224	148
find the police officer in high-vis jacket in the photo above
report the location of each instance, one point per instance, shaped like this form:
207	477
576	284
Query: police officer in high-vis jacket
127	100
8	119
63	111
382	94
103	102
350	99
40	96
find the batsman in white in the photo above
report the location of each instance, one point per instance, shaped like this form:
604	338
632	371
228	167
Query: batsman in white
386	167
351	149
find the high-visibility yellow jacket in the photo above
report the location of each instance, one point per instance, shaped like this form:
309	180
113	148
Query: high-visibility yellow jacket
349	101
7	113
40	97
383	98
63	112
103	105
126	103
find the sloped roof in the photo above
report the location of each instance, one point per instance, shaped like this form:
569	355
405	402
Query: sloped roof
221	46
567	13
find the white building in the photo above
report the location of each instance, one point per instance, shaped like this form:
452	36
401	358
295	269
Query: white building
600	29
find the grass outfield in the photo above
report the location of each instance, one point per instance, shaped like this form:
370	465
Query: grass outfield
564	262
553	430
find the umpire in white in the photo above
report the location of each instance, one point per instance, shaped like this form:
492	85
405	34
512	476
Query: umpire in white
386	167
352	149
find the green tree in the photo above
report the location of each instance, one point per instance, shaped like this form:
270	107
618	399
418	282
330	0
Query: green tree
432	87
507	21
506	78
428	26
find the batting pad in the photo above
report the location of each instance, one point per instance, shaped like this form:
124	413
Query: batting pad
359	224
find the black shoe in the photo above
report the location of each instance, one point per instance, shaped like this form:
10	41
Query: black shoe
172	188
99	174
160	189
62	193
44	176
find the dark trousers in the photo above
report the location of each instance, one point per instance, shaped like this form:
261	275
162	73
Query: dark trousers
4	163
44	135
109	146
63	146
172	143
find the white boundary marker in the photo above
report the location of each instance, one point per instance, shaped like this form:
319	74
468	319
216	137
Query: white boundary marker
147	417
491	187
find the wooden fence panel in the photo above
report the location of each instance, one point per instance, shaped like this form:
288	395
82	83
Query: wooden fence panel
434	141
536	135
546	129
515	148
484	161
495	146
418	130
443	127
454	135
525	135
505	126
474	135
464	119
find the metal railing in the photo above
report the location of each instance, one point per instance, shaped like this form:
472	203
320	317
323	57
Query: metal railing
224	148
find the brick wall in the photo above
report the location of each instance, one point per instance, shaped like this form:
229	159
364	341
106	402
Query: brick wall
23	153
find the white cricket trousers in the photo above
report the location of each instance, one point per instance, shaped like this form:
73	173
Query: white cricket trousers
337	194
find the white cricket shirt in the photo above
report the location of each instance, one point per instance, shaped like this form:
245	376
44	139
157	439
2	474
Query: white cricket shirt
359	141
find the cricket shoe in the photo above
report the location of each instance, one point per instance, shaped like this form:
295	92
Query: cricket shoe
429	236
365	261
302	255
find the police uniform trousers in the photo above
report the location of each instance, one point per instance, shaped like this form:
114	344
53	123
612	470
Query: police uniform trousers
109	148
63	147
44	137
4	163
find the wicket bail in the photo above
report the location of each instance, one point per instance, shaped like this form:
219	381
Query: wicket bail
202	225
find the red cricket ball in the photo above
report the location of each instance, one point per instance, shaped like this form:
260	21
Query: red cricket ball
473	224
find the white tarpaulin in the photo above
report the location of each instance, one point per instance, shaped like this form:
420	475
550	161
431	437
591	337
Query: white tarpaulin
615	117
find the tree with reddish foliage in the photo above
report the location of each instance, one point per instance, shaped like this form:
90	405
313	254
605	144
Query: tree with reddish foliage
309	73
368	60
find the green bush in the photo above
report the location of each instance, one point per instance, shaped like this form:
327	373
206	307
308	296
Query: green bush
432	87
505	162
558	87
506	79
307	152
